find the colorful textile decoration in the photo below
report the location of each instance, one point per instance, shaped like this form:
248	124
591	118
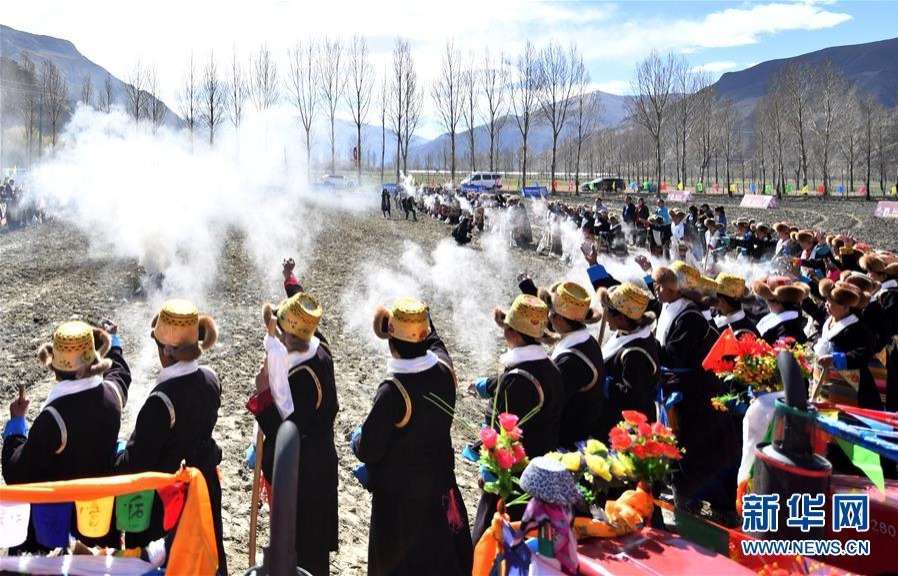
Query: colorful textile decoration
13	523
52	523
559	518
173	502
94	516
133	511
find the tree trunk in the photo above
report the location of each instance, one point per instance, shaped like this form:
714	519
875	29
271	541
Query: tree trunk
333	148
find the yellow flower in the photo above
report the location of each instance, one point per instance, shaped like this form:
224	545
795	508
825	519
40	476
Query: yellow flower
571	461
598	466
554	456
593	446
621	467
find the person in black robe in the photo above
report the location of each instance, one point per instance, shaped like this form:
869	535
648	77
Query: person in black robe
419	524
885	272
731	291
530	384
75	433
462	232
707	470
297	384
176	421
385	203
784	299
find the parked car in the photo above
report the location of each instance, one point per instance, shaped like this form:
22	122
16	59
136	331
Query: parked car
334	181
486	181
604	184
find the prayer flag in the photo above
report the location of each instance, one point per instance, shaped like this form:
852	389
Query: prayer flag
94	516
133	511
52	523
173	502
13	523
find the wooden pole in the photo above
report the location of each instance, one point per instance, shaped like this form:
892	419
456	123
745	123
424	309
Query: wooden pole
257	485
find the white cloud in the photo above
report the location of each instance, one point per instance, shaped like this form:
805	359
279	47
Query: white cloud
619	87
719	66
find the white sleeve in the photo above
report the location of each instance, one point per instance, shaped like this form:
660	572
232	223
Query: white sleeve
277	376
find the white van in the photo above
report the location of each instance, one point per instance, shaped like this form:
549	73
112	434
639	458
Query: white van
482	181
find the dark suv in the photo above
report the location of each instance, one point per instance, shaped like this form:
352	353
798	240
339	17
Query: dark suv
604	185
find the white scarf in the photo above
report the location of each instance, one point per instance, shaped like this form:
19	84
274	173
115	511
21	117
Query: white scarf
669	312
708	315
280	362
412	365
69	387
570	340
176	370
722	320
831	329
885	286
522	354
620	339
678	231
772	320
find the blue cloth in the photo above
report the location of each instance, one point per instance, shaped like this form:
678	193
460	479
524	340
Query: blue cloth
664	213
839	361
468	453
648	280
52	523
249	456
606	385
17	426
115	341
480	387
361	474
487	475
597	272
120	446
353	440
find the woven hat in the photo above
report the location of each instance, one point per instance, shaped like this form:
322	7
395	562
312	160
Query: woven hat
709	286
627	298
568	299
863	281
549	481
687	276
780	289
842	293
77	347
406	320
298	315
183	330
528	315
880	264
731	286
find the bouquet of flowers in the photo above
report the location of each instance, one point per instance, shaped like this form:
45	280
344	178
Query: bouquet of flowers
595	469
650	448
502	458
747	364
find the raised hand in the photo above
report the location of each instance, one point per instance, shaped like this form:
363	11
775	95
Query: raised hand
288	264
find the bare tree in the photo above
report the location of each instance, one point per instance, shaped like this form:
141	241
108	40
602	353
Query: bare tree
189	98
359	93
87	91
56	95
107	98
135	91
264	80
414	101
796	82
731	139
212	98
155	107
470	108
689	84
872	115
851	142
402	62
587	110
383	125
446	93
557	72
302	86
493	80
523	99
771	122
28	103
238	91
829	89
705	103
332	83
650	106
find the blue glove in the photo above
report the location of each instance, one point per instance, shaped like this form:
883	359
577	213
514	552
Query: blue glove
361	474
354	438
249	456
468	453
487	475
115	341
480	387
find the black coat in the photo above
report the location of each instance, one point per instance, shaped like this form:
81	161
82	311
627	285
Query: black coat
789	329
858	343
631	383
315	407
92	419
888	301
418	520
740	326
582	372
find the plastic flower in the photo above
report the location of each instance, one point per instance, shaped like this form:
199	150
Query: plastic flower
644	429
660	429
593	446
639	451
620	440
488	437
571	461
598	466
508	421
514	434
504	458
620	467
518	451
634	417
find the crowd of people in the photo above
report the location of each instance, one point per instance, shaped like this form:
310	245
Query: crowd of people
17	210
828	290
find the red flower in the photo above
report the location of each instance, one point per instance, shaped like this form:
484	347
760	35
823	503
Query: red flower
654	448
514	434
504	458
488	436
639	451
508	421
670	451
620	440
519	454
634	417
644	429
660	429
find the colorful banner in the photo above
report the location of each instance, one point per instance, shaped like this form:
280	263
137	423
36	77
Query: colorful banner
52	523
133	511
758	201
94	516
173	502
886	209
13	523
679	196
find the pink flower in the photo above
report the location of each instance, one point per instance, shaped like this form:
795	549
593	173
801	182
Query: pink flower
504	458
508	421
488	437
514	434
519	454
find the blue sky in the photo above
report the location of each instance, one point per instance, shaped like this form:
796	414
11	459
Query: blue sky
613	37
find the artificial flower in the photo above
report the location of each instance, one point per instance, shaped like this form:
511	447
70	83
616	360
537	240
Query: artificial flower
488	437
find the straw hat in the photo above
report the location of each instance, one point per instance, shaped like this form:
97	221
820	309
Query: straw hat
74	349
687	276
780	289
569	300
880	264
731	286
628	299
528	315
182	330
298	315
842	293
406	320
708	286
